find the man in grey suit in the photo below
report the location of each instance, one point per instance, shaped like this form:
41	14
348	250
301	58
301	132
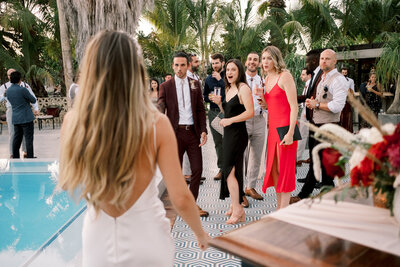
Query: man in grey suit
22	116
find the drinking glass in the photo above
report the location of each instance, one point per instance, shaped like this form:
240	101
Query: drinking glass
217	91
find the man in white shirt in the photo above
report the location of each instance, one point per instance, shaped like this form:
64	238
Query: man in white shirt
193	67
3	89
182	100
305	76
345	72
256	129
326	107
346	118
191	73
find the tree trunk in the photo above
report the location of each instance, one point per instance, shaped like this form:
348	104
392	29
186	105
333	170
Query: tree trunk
65	47
88	17
395	106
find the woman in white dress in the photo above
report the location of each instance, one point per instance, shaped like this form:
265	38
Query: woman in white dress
111	143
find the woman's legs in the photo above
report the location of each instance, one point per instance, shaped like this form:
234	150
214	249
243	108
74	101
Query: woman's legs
282	199
237	208
275	175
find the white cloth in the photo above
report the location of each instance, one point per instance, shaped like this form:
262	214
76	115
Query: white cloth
338	88
351	83
303	127
253	82
192	75
184	103
366	225
73	91
139	237
23	84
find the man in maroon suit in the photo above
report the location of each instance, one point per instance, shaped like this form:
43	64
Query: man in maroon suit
182	99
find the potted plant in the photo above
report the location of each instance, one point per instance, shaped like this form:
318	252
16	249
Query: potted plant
388	70
373	155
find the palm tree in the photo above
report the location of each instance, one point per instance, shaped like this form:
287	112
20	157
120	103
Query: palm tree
240	36
204	22
171	19
23	39
66	47
285	31
388	69
316	18
86	18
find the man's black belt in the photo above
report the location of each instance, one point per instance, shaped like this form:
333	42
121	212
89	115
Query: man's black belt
186	127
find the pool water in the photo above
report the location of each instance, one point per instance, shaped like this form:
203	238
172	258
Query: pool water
30	211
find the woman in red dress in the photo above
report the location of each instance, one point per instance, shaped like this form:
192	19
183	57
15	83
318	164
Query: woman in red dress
281	100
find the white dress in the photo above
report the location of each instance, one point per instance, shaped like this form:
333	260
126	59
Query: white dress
139	237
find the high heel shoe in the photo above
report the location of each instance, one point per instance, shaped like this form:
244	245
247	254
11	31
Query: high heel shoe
229	212
234	219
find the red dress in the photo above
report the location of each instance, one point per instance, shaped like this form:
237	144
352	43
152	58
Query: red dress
279	116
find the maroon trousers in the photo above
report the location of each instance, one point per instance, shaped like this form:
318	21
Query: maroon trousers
188	142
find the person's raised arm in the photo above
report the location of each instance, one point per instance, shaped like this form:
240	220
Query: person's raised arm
287	83
181	198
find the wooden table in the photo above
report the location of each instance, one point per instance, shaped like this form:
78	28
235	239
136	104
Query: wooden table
271	242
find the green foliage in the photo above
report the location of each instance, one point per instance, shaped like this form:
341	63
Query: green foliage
240	37
25	39
295	63
388	67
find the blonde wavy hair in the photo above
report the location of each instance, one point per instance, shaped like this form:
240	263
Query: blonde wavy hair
277	58
111	124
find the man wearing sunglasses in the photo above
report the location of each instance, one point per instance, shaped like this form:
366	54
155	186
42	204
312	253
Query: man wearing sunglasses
331	91
325	107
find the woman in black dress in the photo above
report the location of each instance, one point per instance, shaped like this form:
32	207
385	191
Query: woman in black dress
372	94
237	108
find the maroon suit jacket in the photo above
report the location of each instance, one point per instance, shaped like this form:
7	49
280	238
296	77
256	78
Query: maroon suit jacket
168	101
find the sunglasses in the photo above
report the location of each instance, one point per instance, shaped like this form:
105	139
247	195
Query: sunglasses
326	92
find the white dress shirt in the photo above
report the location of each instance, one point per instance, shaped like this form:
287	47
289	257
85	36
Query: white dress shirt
23	84
306	86
351	83
338	88
192	75
184	103
252	82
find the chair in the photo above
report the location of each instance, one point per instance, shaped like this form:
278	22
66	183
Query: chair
51	112
3	120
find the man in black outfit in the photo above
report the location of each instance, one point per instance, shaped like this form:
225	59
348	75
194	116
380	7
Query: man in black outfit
215	80
312	65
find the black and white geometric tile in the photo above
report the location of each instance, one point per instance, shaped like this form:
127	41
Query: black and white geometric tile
186	251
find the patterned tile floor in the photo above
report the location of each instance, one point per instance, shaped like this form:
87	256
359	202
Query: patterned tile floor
187	252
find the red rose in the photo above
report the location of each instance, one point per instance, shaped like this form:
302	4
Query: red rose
330	157
395	137
366	166
379	149
355	176
394	156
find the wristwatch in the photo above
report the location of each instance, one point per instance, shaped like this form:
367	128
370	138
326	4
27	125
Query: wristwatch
317	105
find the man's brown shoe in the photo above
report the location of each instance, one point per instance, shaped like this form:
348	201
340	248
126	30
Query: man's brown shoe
253	193
218	176
245	202
203	213
294	199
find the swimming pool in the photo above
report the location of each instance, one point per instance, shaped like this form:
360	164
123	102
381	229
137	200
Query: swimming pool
31	214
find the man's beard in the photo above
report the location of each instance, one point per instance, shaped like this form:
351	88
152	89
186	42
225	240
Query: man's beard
195	69
219	70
